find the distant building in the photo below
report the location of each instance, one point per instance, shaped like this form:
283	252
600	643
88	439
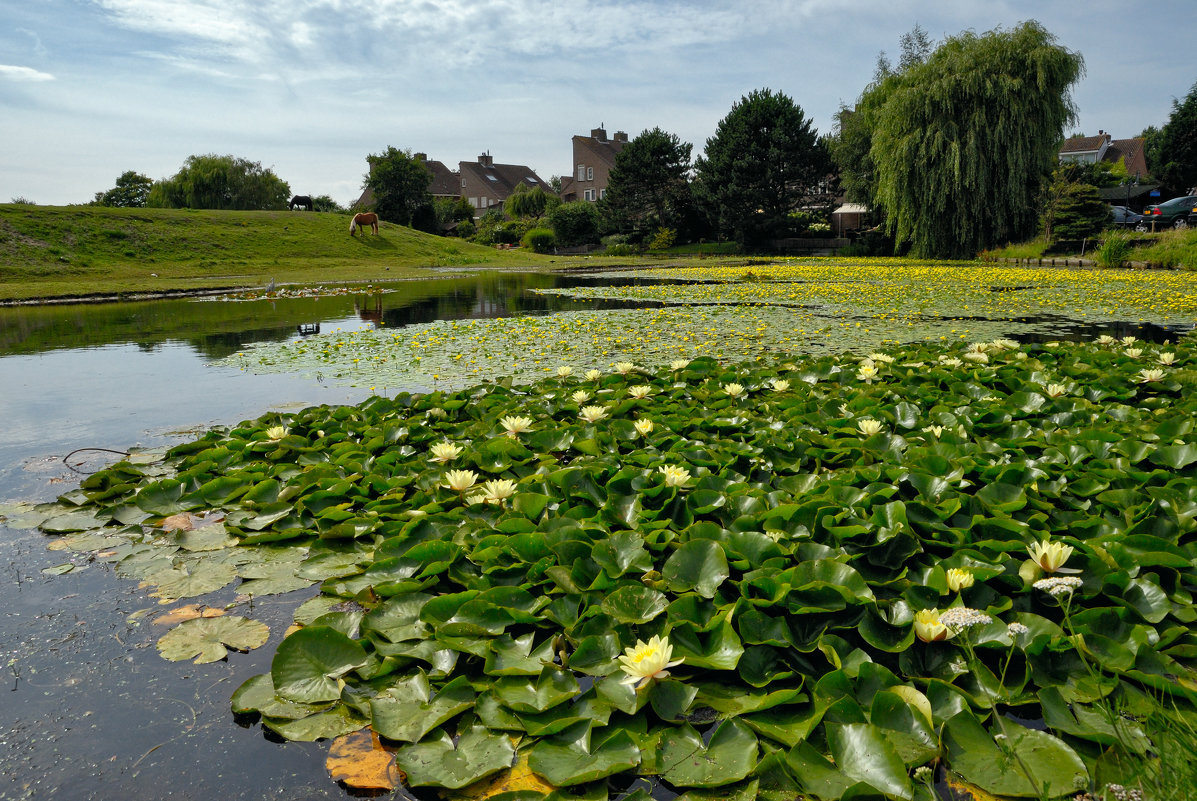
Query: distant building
444	183
486	184
594	158
1092	149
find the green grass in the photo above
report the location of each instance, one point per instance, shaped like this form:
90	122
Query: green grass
48	251
1169	248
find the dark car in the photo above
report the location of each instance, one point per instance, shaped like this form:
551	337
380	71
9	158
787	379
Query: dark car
1122	217
1171	213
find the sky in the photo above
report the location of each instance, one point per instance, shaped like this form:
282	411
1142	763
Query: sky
308	88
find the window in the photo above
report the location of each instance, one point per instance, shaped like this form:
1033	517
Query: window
463	183
492	178
590	173
581	172
602	193
588	194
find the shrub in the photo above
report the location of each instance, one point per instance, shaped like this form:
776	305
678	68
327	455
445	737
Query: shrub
575	223
663	240
620	249
540	240
1114	250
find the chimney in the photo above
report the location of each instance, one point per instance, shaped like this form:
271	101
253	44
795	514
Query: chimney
485	160
420	157
620	136
599	133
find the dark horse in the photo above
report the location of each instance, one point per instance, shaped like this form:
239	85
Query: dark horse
362	220
303	201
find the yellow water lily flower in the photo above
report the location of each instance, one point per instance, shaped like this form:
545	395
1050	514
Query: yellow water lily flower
679	364
445	452
593	375
644	426
1134	353
564	370
623	368
515	424
1050	556
733	389
581	396
592	414
276	432
867	373
460	480
640	391
1166	358
498	490
928	627
868	426
779	384
959	579
1056	390
674	476
645	661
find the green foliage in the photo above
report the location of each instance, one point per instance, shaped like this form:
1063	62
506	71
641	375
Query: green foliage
1151	137
541	240
131	191
963	141
790	575
453	210
663	239
1178	145
764	161
400	184
1115	249
526	201
1073	211
327	204
1170	249
649	185
220	182
575	223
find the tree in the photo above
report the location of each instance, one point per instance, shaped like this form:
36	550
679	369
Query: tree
131	191
964	141
220	182
649	186
1151	149
1178	145
764	161
1072	207
326	203
575	223
526	201
400	184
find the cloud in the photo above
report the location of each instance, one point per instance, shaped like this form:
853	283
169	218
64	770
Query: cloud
27	74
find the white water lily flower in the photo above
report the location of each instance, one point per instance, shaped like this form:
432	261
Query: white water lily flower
445	452
1128	341
733	389
674	476
882	357
623	368
1020	355
1166	358
514	424
645	661
868	426
679	364
950	361
1050	556
977	356
640	391
1056	390
867	373
644	426
977	347
438	413
1134	353
1003	344
936	431
460	480
581	396
564	370
593	375
1148	376
779	384
1105	339
276	432
498	490
592	414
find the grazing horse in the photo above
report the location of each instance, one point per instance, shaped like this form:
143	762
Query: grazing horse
303	201
362	220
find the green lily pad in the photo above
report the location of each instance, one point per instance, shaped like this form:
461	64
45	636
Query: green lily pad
442	763
309	664
729	756
208	639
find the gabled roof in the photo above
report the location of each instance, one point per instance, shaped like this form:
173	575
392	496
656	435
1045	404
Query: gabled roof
1083	144
603	149
445	182
502	178
1131	153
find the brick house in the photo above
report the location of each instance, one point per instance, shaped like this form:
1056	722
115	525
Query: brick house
486	184
1103	147
444	183
594	158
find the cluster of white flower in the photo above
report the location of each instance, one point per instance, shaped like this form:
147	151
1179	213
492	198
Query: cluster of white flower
1015	629
1058	585
962	617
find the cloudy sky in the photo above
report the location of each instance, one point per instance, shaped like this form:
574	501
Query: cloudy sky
91	88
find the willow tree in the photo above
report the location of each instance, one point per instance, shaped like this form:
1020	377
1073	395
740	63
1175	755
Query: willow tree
966	139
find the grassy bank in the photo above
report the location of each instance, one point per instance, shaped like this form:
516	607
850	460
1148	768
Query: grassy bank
52	252
1177	249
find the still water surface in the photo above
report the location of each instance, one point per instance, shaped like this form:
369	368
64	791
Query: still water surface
88	710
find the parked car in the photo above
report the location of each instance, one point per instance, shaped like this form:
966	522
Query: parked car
1174	212
1122	217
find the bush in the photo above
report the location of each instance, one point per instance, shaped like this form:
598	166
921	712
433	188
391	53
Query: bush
540	240
575	223
620	249
664	239
1114	250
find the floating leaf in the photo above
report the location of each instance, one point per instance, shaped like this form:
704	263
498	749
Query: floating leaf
360	760
309	664
729	756
208	639
442	763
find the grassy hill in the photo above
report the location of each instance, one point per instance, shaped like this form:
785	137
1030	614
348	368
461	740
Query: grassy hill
82	251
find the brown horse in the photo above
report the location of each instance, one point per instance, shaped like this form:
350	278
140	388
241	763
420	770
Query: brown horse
362	220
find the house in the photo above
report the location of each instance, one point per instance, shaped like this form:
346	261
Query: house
594	158
1134	192
444	184
486	184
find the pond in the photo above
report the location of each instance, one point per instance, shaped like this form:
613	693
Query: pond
91	710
